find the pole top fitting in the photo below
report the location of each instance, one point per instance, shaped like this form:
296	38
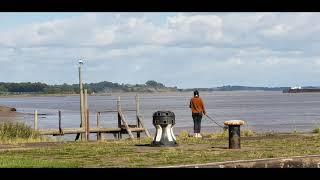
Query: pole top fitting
234	122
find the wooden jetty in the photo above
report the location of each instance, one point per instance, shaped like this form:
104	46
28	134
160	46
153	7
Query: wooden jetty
85	129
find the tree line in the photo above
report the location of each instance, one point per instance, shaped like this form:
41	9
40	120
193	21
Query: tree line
100	87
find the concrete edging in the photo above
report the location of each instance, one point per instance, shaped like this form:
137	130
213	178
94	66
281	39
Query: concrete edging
309	161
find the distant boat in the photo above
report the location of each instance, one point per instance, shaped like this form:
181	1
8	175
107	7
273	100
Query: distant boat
301	90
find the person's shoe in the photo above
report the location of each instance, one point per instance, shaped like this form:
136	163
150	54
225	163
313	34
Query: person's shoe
199	135
195	134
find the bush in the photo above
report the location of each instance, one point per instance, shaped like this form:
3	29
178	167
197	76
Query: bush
17	130
316	130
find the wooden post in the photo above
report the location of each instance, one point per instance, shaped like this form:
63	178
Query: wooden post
36	120
137	113
85	125
82	117
98	126
123	119
119	116
60	129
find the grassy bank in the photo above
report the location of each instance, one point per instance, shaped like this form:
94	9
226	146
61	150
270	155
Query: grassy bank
137	153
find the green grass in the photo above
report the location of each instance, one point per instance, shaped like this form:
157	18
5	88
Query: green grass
17	132
136	153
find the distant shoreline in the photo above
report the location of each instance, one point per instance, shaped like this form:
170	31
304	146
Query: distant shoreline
117	93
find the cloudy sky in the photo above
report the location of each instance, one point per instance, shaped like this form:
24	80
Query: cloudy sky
177	49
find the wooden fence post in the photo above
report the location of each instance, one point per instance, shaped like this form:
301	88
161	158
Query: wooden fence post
60	129
86	114
119	116
36	120
98	126
137	113
82	113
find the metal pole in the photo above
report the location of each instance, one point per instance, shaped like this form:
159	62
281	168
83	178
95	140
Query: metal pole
35	119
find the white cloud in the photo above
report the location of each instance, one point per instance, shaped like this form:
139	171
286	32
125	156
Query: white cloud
173	48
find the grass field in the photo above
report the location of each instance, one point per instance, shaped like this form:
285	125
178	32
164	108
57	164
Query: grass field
138	153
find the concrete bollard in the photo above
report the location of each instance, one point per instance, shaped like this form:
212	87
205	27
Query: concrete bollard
234	133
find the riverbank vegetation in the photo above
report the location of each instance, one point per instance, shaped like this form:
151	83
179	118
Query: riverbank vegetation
17	132
138	153
100	87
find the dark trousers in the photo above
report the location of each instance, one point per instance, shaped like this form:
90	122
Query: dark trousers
197	122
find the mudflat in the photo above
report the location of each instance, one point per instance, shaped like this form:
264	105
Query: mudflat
8	113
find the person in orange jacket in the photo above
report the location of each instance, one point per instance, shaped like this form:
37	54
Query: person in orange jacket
198	109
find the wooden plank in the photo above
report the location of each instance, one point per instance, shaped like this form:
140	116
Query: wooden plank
125	124
123	110
78	130
142	125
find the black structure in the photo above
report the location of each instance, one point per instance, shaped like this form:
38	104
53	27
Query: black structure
234	133
234	137
164	121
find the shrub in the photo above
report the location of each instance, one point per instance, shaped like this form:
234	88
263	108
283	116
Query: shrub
10	131
316	130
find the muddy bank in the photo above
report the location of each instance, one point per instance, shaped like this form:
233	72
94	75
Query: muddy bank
8	113
5	109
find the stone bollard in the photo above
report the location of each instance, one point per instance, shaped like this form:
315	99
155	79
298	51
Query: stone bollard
234	133
164	121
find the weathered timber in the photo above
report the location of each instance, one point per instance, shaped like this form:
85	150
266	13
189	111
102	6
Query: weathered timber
125	124
36	120
81	130
142	126
78	130
60	128
137	113
85	99
106	111
98	125
119	117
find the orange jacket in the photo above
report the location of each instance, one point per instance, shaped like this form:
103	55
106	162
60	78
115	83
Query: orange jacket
197	105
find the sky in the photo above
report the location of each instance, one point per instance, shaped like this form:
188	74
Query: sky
187	50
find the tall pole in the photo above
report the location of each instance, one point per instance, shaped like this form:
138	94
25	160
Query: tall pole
81	98
86	112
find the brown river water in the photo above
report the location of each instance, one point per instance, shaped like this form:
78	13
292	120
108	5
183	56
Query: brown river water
263	111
